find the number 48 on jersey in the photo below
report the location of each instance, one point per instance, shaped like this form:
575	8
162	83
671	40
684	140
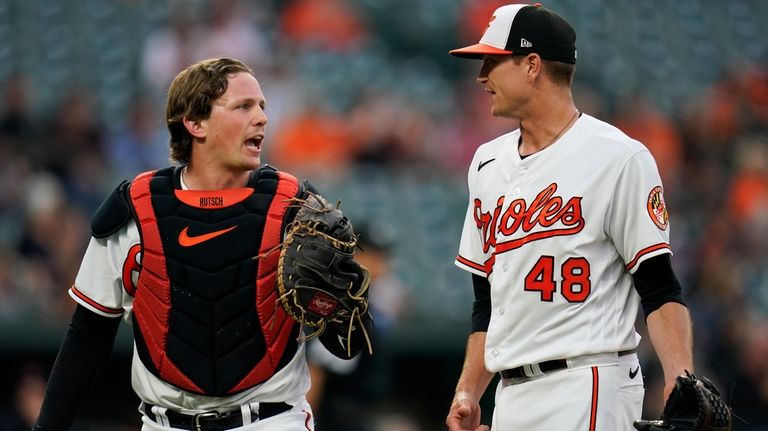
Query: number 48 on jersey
575	285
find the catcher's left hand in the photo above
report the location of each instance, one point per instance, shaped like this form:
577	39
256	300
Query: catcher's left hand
693	405
318	281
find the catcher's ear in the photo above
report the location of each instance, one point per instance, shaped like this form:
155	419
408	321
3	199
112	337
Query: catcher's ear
195	128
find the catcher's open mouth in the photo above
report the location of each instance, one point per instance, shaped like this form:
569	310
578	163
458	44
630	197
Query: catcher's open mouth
254	142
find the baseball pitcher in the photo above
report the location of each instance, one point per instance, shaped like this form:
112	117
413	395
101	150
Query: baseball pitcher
566	236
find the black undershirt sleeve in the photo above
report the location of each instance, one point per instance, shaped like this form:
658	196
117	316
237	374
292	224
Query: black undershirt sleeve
481	308
82	355
656	283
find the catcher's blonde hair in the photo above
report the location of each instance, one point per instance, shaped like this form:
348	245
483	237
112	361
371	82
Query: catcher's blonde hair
191	95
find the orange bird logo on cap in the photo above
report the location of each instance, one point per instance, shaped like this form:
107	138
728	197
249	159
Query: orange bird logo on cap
489	24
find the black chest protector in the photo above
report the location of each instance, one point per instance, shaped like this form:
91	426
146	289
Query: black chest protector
204	314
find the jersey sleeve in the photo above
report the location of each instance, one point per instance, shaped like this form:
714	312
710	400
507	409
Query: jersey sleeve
99	282
471	256
638	221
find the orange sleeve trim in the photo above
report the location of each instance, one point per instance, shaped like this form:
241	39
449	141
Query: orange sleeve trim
645	251
464	261
80	295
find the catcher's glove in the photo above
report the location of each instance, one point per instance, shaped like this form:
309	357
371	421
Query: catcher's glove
693	405
318	281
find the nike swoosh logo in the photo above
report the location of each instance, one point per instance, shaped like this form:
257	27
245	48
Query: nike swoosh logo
342	341
185	240
632	374
480	166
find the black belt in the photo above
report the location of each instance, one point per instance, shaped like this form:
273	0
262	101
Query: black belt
215	421
545	367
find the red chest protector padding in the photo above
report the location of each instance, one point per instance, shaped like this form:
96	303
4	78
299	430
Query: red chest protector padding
205	314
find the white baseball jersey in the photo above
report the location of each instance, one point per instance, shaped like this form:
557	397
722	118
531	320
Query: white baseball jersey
558	235
101	287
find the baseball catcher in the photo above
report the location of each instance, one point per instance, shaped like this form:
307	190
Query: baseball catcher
318	281
693	405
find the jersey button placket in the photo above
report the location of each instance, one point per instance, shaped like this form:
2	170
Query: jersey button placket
520	172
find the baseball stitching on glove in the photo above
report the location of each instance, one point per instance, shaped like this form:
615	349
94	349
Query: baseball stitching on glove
318	281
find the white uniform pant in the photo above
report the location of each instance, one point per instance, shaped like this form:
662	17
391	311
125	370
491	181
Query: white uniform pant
595	393
299	418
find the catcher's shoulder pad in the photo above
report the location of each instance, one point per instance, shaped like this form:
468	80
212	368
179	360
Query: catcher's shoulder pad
264	173
113	213
265	169
305	189
269	172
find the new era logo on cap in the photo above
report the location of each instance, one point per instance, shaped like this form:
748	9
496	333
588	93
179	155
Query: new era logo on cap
524	29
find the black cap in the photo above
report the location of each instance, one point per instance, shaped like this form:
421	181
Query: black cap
525	29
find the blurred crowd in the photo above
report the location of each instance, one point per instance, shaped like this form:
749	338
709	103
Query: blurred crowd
350	90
